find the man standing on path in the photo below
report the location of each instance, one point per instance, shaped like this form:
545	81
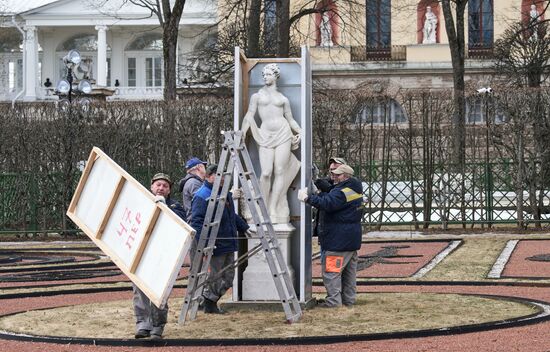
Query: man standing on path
196	171
150	320
340	235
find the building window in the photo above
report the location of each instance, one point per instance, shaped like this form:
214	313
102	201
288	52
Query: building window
153	72
388	111
480	24
144	58
477	109
378	24
132	70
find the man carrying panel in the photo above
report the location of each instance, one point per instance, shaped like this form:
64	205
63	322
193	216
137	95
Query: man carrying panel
150	320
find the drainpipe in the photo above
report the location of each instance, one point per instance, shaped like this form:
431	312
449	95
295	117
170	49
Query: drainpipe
24	61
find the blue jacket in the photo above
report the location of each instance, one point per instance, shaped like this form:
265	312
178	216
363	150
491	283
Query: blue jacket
340	227
226	240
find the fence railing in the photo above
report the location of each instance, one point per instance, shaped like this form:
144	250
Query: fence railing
483	195
395	194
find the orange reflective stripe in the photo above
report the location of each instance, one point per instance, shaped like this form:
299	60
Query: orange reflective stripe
334	263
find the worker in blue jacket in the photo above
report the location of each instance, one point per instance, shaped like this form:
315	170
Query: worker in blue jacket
226	241
339	234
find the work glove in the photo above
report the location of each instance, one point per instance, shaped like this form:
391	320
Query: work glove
249	233
160	199
302	195
237	193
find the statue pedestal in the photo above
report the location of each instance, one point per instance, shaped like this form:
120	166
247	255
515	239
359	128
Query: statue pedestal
257	281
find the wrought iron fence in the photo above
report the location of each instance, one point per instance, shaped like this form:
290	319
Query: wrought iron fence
484	195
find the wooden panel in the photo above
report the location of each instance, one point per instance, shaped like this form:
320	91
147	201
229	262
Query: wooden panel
146	240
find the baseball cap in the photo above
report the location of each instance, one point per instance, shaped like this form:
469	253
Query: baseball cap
194	161
343	169
161	176
211	169
337	160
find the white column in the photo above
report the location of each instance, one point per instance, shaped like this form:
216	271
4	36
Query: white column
31	64
101	56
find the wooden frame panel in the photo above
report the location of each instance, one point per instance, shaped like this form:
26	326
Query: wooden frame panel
146	240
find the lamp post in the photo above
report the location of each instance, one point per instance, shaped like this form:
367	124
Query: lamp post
65	86
486	91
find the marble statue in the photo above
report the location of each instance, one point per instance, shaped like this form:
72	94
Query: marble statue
276	137
430	26
326	30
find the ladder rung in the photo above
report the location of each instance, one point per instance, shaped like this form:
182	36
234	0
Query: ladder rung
202	273
211	224
279	273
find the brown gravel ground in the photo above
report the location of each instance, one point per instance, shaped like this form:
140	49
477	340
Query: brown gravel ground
532	338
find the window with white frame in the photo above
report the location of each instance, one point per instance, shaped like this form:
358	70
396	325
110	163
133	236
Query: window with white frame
386	111
145	61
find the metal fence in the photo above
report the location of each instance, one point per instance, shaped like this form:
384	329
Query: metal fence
483	195
396	194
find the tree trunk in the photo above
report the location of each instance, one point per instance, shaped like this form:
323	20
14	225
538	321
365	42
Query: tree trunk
170	28
283	27
457	47
169	48
253	30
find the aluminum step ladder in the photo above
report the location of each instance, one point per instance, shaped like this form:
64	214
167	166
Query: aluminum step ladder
235	156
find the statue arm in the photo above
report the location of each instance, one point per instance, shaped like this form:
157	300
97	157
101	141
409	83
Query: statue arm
288	115
249	116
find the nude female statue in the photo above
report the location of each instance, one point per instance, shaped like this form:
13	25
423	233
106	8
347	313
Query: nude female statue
277	135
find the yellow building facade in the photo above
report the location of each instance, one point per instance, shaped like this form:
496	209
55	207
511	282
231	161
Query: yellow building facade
404	43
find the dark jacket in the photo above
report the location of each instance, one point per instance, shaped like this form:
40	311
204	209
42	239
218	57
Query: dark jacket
226	240
189	185
340	227
176	207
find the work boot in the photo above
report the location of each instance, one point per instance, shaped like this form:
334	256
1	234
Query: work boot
142	333
211	307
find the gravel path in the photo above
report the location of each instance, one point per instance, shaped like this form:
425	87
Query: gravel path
532	338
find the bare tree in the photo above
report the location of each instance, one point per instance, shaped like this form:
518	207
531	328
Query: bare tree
276	36
453	12
169	15
522	56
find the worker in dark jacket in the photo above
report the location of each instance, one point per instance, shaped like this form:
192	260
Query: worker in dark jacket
150	320
226	241
188	186
340	234
324	185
